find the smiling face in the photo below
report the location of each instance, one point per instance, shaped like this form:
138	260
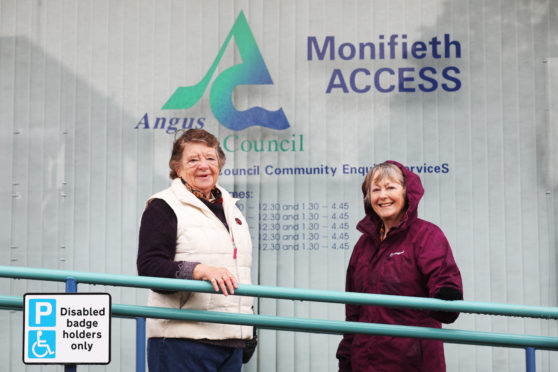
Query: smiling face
387	198
199	166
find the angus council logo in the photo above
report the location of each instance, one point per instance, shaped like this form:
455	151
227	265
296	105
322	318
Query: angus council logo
252	71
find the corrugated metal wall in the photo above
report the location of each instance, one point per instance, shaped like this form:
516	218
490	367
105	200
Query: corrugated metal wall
76	78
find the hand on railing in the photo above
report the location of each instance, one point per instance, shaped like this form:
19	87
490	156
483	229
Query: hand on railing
447	294
219	277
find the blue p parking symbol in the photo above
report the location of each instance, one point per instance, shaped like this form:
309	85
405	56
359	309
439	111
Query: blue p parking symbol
42	313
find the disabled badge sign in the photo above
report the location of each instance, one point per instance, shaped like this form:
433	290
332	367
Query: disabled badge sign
66	328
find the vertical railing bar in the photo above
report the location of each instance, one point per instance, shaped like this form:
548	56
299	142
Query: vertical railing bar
71	287
530	360
140	344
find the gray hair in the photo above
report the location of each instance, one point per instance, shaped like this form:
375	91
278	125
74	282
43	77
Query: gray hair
380	172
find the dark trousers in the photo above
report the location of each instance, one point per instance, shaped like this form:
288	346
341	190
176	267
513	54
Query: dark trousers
178	354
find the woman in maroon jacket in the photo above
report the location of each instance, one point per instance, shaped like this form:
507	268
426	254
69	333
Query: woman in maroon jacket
397	254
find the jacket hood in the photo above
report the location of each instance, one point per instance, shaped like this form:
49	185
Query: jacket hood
414	192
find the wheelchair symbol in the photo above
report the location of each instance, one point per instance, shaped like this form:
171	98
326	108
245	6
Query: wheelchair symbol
41	348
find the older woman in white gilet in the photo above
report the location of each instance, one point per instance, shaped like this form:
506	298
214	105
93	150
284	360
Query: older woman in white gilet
193	230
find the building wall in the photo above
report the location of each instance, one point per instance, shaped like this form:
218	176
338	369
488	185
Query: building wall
82	84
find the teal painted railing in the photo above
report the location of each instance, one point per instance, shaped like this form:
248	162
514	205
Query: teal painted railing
530	342
283	293
323	326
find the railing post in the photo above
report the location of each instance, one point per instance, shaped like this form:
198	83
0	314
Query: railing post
530	359
71	287
140	344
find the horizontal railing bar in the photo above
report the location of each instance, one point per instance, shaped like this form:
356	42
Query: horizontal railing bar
325	326
284	293
16	303
11	302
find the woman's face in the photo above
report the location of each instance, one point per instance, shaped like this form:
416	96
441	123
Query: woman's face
387	198
199	166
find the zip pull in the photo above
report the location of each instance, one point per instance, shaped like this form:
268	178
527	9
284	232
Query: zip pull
234	245
238	222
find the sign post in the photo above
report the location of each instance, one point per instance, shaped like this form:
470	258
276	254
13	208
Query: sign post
66	328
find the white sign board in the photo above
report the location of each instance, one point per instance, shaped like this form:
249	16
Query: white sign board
66	328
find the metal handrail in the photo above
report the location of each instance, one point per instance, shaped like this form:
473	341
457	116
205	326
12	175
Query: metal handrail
323	326
528	342
284	293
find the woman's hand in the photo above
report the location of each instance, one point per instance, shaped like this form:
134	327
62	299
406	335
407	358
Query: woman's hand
219	277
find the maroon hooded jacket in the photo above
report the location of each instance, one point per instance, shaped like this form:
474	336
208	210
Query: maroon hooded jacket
414	259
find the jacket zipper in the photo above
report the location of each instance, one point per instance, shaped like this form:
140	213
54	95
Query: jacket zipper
234	244
235	251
